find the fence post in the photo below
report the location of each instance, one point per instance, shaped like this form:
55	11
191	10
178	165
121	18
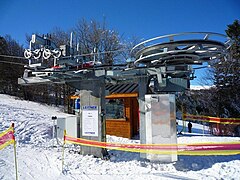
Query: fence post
183	119
63	149
15	153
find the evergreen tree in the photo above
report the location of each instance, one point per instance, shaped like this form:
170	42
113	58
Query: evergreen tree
10	68
223	100
227	77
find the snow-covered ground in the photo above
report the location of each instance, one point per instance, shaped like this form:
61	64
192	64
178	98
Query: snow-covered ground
38	160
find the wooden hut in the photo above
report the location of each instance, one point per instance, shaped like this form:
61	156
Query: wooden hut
122	118
122	111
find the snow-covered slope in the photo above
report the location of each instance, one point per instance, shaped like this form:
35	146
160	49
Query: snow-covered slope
37	159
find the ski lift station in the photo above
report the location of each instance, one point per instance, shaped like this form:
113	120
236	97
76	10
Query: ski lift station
127	99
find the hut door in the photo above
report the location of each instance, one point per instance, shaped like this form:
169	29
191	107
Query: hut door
135	116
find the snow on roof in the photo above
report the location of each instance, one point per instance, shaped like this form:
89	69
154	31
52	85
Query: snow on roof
200	87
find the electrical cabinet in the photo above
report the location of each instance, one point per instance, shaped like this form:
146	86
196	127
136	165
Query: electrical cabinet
70	124
160	124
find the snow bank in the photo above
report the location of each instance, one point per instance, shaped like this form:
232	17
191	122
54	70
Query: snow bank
37	159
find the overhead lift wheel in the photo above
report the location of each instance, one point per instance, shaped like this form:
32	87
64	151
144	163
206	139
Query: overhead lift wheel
183	48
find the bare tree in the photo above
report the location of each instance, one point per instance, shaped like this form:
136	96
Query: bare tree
60	36
94	37
14	48
96	42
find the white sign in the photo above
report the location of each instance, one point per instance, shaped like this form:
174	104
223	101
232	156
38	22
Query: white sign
90	121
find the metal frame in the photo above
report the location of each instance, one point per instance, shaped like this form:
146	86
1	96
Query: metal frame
175	49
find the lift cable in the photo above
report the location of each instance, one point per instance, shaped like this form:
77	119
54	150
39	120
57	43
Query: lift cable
79	55
9	62
14	57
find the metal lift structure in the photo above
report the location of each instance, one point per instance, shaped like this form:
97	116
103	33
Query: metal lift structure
165	61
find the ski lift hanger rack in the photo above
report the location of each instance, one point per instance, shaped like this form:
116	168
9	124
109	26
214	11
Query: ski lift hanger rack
169	56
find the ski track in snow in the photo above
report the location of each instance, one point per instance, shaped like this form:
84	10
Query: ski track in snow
37	159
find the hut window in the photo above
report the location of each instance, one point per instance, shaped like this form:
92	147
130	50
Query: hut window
115	109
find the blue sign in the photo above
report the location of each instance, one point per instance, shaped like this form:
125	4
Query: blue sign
90	107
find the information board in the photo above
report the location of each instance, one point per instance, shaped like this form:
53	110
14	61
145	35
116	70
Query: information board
90	121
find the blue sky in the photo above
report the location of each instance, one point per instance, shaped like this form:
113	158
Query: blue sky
142	18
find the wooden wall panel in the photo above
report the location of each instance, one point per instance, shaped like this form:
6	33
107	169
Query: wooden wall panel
119	128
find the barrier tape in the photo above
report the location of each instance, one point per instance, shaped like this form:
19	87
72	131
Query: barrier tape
226	148
7	137
212	119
